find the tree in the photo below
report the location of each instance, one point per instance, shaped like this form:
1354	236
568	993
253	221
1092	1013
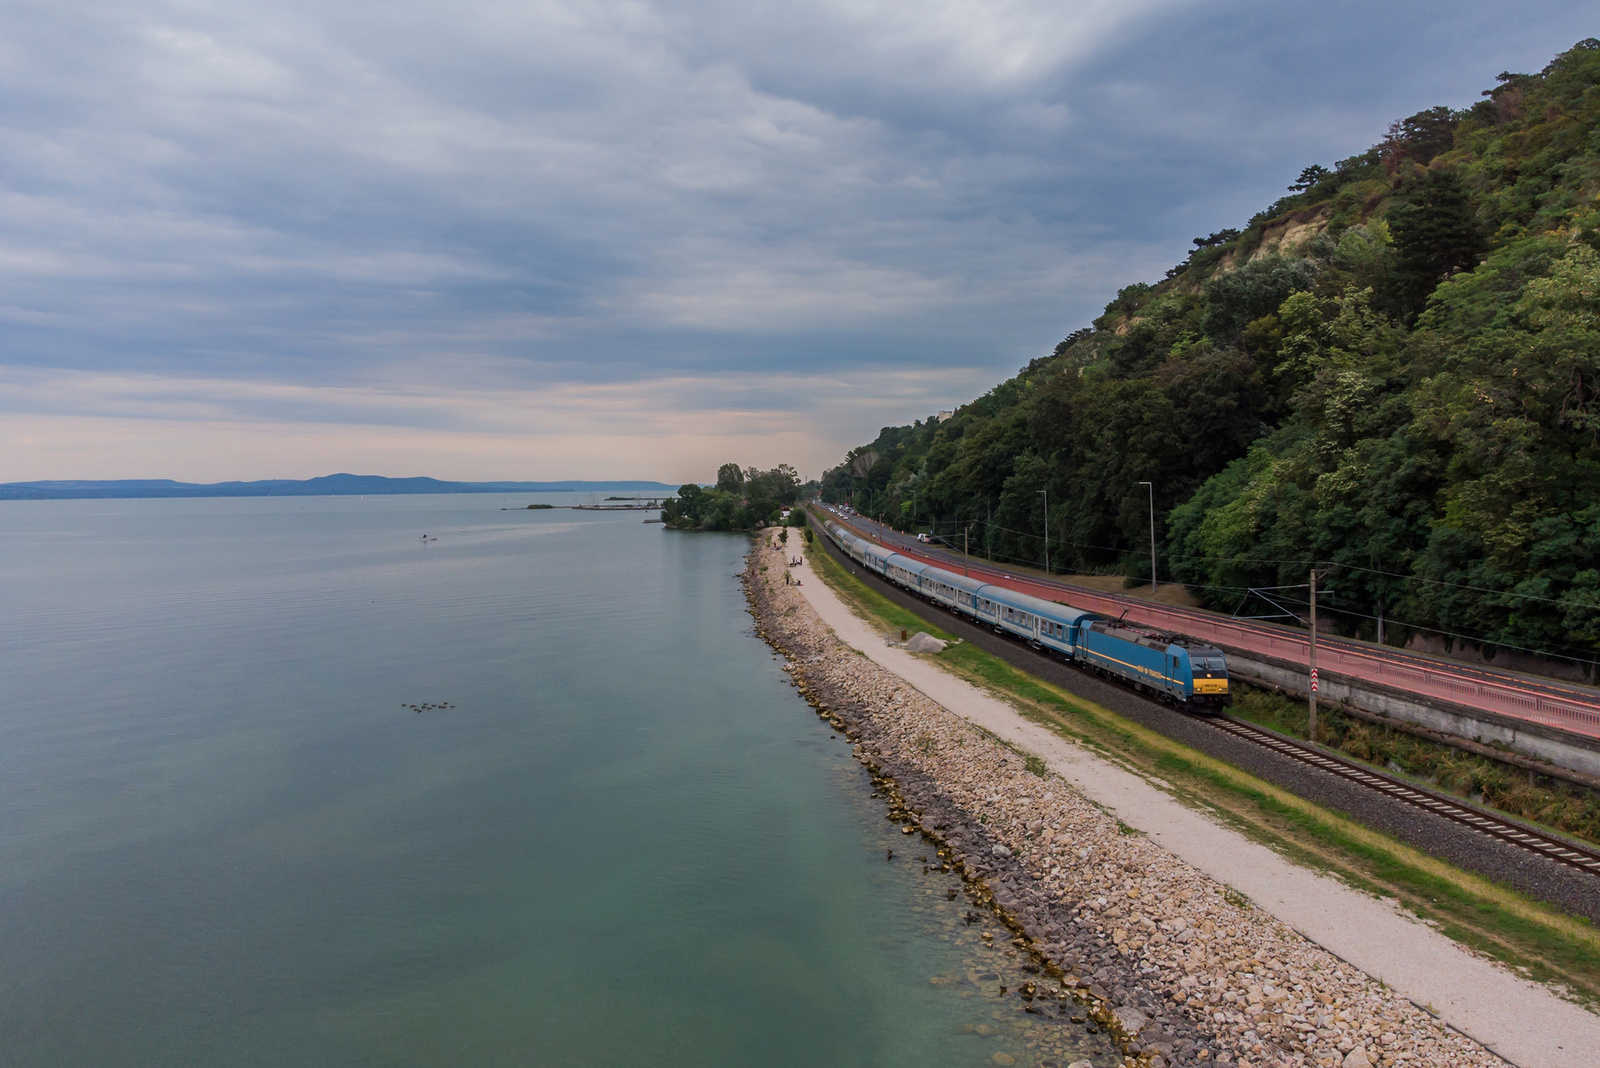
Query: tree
1221	237
1420	137
1238	298
1076	337
1309	178
1436	234
1127	301
730	478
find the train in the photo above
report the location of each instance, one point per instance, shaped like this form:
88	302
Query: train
1175	669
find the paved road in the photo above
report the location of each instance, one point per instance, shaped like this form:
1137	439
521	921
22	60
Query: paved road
1575	709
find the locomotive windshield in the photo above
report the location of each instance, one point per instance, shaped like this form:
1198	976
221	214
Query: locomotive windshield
1210	662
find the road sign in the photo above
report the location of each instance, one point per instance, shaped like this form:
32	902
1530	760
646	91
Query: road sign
1313	680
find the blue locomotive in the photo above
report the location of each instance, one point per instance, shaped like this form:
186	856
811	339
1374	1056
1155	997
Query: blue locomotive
1168	666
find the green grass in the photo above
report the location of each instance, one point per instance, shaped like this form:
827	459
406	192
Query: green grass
1491	918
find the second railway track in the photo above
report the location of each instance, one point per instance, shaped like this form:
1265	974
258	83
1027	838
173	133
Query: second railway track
1493	825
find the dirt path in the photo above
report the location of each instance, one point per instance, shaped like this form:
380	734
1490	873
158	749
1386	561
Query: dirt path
1520	1020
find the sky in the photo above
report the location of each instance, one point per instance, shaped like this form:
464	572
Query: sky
557	239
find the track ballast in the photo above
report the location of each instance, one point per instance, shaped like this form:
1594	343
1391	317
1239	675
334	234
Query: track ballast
1483	822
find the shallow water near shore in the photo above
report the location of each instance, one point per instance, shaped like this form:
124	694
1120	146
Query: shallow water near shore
613	834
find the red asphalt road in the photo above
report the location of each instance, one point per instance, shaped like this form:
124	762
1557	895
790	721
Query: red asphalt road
1550	704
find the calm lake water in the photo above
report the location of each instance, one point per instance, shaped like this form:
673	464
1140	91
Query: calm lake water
226	838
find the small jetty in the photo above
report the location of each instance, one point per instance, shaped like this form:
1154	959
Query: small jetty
620	504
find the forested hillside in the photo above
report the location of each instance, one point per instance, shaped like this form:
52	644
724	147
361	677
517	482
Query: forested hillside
1393	370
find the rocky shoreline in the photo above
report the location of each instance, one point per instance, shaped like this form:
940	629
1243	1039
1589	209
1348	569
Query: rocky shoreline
1181	968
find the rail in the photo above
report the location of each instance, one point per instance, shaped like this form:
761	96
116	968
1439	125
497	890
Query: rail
1523	837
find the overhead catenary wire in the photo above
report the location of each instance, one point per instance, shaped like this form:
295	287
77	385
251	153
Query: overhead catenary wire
1567	653
1302	562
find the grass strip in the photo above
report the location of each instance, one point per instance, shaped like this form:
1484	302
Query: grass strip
1548	945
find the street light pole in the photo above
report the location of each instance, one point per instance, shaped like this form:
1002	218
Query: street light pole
1152	487
1046	495
964	556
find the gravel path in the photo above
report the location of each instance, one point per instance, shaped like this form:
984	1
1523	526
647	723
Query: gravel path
1539	877
1142	926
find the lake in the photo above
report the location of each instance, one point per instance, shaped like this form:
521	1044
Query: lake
282	783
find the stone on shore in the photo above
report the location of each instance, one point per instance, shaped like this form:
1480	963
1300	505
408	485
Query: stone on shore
1130	1019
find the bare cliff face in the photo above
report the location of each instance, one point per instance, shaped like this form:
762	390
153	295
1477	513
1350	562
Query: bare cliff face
1280	237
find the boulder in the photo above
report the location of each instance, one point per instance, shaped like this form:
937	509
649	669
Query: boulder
1130	1019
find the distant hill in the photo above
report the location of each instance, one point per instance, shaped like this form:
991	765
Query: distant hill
340	485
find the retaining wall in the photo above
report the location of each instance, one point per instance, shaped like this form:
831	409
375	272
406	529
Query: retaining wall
1530	739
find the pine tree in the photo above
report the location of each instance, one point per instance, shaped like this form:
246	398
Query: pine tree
1435	235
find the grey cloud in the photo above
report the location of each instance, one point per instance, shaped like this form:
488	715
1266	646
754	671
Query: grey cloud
333	193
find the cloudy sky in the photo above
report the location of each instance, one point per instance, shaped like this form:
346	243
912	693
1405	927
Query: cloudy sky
614	239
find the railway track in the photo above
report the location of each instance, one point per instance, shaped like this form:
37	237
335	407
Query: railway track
1569	708
1559	850
1565	852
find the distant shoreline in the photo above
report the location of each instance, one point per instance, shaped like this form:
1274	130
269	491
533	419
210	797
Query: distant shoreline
340	485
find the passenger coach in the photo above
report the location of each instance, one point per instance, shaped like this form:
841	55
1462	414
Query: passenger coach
1169	666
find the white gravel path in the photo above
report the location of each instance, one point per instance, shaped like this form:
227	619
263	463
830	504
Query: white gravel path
1519	1020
